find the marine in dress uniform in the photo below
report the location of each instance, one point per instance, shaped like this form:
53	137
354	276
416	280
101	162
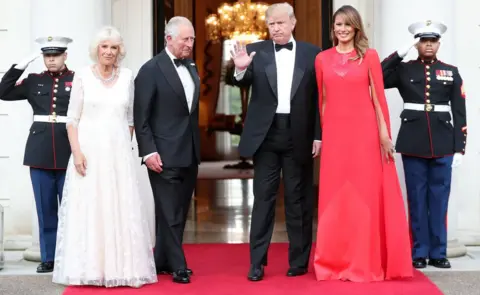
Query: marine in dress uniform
429	141
47	149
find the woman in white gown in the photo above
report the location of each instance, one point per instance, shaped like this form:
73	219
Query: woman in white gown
103	235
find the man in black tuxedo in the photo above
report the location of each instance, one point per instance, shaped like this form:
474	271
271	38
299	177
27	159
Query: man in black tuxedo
167	91
281	125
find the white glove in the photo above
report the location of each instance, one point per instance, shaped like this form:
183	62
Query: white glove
457	160
402	52
25	62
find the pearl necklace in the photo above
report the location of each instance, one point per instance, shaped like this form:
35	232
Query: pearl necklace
105	80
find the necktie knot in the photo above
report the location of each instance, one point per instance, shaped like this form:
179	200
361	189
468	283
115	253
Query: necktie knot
288	46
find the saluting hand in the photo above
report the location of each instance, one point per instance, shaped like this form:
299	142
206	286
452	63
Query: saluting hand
22	65
240	57
80	163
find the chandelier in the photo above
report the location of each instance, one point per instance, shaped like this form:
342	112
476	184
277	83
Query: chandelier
241	21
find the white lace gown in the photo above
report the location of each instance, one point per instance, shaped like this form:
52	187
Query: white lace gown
103	234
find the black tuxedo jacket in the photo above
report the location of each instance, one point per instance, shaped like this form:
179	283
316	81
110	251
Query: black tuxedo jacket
163	122
304	114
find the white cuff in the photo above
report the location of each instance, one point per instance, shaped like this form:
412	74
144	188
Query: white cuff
148	156
239	75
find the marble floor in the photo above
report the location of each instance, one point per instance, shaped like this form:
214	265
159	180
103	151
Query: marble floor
221	213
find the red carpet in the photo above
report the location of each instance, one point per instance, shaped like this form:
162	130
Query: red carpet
221	269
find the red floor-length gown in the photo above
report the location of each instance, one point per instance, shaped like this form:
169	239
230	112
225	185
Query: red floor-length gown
362	231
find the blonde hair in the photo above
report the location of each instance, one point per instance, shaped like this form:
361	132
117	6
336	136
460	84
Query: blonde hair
352	18
107	33
284	6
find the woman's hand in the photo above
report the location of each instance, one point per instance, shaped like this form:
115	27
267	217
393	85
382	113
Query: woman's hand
80	163
388	150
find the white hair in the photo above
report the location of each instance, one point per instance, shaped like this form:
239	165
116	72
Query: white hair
280	6
172	27
107	33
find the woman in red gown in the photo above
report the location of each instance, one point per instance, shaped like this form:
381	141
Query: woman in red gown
362	225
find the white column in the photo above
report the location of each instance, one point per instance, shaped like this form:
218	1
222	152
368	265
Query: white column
392	19
467	187
79	20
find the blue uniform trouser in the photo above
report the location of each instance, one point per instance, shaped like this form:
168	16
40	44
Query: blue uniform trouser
428	190
47	190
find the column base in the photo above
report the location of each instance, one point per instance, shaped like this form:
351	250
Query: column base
469	238
455	249
33	254
17	242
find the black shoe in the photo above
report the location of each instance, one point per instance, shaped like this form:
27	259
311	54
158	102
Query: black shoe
439	263
419	263
256	273
169	272
296	271
45	267
181	277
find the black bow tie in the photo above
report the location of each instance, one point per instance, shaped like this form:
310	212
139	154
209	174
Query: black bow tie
179	62
288	46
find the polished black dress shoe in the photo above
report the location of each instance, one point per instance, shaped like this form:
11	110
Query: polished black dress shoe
439	263
45	267
181	277
296	271
419	263
256	273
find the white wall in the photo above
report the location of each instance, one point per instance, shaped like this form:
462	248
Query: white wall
15	189
20	23
467	45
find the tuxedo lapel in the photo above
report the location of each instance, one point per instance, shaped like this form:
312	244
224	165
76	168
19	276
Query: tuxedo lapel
168	68
299	69
271	67
196	80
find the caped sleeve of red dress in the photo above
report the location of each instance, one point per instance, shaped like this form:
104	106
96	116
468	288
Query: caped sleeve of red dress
375	68
319	75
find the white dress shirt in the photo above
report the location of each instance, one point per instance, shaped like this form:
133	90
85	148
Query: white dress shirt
186	78
285	63
187	82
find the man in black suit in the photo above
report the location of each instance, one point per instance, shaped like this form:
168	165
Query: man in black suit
167	90
281	124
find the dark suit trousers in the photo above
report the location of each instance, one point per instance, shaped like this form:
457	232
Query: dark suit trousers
275	155
172	191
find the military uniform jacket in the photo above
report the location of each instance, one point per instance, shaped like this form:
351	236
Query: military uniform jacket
49	94
428	133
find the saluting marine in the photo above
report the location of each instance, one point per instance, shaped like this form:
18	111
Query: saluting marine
47	149
430	143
